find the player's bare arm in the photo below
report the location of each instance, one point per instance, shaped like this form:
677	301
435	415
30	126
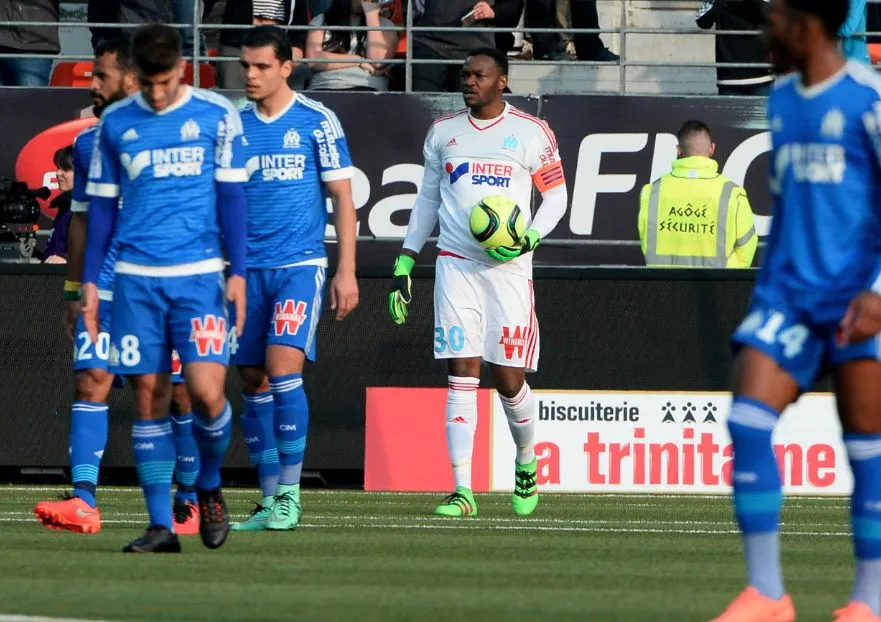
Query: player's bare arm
863	318
76	238
344	288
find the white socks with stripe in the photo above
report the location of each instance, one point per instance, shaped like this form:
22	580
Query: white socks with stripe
461	424
520	411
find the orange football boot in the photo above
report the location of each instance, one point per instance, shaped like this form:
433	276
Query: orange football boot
751	606
186	518
856	612
69	514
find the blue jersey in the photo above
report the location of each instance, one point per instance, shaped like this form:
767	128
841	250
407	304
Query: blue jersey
825	241
164	166
83	145
289	158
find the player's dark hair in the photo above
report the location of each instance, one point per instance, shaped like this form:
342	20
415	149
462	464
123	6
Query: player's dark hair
270	36
63	158
121	46
156	48
499	57
832	13
692	127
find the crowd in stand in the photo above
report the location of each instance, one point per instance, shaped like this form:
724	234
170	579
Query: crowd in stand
333	59
355	60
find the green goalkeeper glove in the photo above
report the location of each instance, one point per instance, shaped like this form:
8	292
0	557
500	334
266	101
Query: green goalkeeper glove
401	291
506	253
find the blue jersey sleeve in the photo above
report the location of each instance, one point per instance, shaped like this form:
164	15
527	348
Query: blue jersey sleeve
81	160
332	148
229	154
104	170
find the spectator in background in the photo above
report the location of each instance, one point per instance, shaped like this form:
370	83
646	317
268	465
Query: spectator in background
184	12
738	15
853	45
127	12
545	45
56	249
507	16
254	12
347	48
694	217
589	46
436	77
28	39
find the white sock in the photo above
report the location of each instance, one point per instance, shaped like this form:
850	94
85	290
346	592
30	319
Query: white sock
520	411
461	424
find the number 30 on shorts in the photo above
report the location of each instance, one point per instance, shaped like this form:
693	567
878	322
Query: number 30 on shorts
766	327
452	339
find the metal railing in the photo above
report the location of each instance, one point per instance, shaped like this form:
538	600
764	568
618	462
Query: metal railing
623	31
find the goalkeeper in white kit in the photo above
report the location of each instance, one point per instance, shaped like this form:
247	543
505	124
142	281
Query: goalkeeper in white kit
483	297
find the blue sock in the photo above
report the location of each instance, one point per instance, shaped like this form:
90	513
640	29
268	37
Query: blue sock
186	469
212	438
88	436
260	439
154	457
291	423
758	497
864	451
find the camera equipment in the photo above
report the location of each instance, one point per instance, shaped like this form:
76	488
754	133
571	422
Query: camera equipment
19	213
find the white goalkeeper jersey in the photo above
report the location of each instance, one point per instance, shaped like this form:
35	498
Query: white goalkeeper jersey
467	159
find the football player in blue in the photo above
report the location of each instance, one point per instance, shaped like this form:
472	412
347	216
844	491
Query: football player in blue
113	79
167	190
817	301
296	155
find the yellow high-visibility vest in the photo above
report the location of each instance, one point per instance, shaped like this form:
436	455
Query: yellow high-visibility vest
695	217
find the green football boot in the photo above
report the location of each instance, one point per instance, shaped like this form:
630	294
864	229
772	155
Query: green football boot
285	515
525	488
460	503
259	517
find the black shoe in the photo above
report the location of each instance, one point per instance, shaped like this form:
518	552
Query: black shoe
155	540
213	518
606	56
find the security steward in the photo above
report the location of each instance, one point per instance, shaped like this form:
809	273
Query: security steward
693	217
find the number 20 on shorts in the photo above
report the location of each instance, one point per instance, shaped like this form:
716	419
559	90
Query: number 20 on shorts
452	339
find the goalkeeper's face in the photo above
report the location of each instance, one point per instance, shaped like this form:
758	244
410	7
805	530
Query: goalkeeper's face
263	72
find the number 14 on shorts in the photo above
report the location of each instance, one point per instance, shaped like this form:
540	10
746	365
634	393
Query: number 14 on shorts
775	330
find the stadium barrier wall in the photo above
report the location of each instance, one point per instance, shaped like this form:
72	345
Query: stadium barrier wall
600	442
607	330
610	146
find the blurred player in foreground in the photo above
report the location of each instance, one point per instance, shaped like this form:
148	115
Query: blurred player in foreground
817	301
113	79
171	156
296	151
483	299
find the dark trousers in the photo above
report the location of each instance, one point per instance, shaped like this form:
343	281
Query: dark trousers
435	78
584	15
542	14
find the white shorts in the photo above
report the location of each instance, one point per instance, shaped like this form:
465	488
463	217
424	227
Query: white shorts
481	311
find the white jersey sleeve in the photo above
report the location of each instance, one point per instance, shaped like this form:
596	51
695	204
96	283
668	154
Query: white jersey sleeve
424	216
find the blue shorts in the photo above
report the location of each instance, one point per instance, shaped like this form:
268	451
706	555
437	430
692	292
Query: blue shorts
802	348
154	315
284	306
87	355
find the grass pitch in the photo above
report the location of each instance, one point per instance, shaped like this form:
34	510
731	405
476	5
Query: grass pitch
385	557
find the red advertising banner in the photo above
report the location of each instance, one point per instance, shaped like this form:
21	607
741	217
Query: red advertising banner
406	443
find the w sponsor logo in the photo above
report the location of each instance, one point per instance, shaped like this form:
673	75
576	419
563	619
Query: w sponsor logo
288	317
514	340
209	334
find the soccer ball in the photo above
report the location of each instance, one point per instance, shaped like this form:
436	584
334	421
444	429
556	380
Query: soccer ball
497	221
